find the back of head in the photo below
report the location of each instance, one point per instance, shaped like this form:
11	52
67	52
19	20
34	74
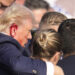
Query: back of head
67	32
46	44
14	14
51	19
37	4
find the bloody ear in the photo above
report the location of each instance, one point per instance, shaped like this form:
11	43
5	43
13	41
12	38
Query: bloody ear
13	29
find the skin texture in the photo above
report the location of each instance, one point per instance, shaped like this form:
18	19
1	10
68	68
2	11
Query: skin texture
20	2
58	70
38	13
25	30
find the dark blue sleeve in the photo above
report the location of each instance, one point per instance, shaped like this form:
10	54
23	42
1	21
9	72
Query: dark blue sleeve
12	57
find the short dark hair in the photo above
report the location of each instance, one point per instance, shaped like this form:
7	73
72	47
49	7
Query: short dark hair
67	32
36	4
51	19
46	43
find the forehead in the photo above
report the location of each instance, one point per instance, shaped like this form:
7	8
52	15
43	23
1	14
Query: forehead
38	13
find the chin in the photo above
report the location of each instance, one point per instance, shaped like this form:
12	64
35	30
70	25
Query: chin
26	42
22	45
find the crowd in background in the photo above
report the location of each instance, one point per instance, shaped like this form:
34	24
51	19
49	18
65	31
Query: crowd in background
36	38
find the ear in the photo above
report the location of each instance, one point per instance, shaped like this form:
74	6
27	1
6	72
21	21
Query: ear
57	56
13	29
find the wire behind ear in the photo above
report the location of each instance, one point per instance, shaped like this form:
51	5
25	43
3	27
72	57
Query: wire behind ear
13	28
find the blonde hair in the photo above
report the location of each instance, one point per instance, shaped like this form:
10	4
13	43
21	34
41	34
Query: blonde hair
50	19
46	44
14	14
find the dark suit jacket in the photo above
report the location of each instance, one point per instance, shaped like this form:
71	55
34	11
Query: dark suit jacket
68	65
13	62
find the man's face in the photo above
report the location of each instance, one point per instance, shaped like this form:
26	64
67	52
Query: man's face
38	13
24	32
4	4
20	1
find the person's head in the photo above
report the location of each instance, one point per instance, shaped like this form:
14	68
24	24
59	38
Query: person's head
20	2
38	7
4	4
47	45
52	20
67	32
17	21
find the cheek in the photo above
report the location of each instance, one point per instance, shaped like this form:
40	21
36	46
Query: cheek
25	38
